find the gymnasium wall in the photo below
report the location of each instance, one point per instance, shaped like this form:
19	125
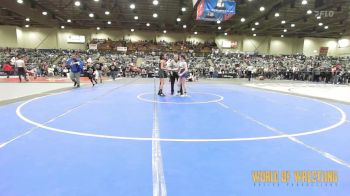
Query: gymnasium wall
36	38
286	45
8	36
312	46
42	38
344	51
263	45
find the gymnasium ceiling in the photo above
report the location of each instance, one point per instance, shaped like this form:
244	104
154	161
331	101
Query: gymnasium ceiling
336	16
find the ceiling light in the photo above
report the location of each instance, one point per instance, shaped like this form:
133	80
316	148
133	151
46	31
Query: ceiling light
155	2
195	32
109	22
218	21
96	0
183	9
256	23
277	14
91	15
242	19
253	29
136	17
283	22
184	26
164	31
44	13
309	12
284	30
147	24
325	27
254	34
303	2
62	27
219	27
178	19
27	26
262	9
107	12
320	24
318	17
98	28
132	30
20	1
225	34
77	3
27	19
282	35
132	6
292	25
69	20
155	15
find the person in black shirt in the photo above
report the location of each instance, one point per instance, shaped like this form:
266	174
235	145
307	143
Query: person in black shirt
91	71
114	70
173	68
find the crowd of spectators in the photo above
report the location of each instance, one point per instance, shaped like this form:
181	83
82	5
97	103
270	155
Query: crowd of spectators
289	67
51	63
144	47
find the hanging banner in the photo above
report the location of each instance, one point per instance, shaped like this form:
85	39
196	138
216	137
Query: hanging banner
75	39
221	6
122	49
323	51
93	46
216	10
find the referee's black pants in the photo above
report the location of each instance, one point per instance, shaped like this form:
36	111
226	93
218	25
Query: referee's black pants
173	77
22	72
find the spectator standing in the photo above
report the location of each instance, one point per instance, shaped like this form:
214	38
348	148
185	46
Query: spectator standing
114	70
7	68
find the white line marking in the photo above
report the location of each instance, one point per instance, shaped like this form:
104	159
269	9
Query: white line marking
275	130
223	105
17	137
341	121
35	127
159	187
56	117
220	98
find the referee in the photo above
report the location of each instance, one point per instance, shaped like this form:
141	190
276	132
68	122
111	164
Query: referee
21	69
173	67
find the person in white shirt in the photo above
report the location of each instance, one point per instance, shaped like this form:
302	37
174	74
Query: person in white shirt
13	61
211	71
183	72
21	68
89	61
250	69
